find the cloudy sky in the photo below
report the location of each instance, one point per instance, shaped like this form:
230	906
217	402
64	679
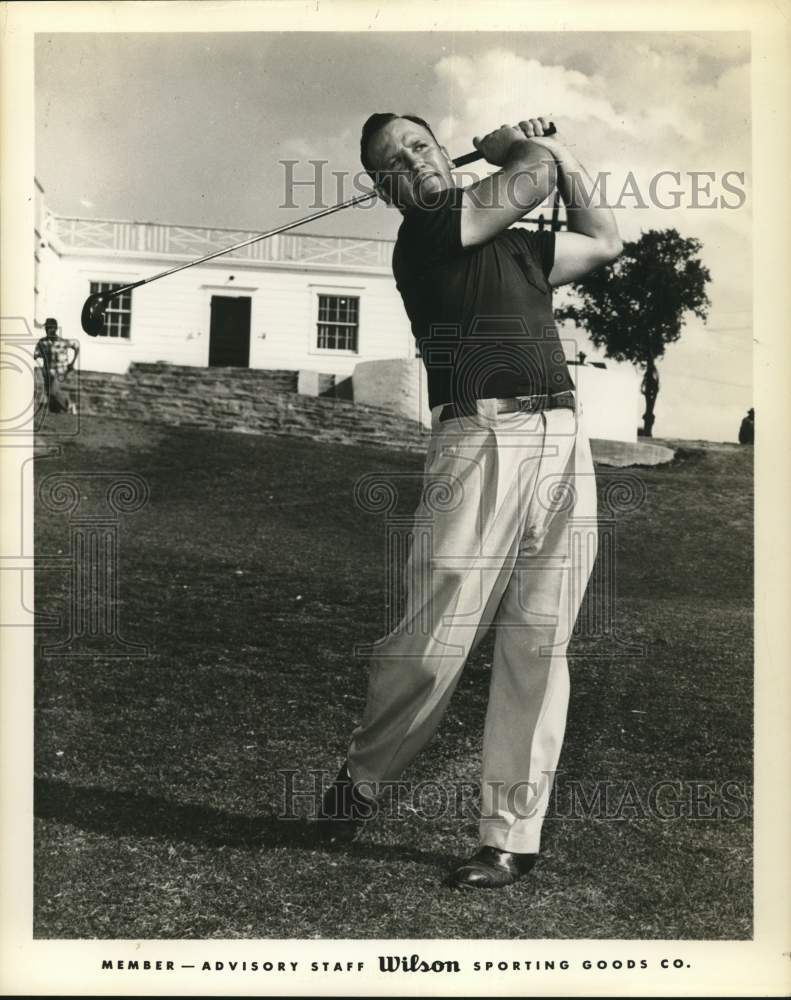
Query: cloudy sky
192	129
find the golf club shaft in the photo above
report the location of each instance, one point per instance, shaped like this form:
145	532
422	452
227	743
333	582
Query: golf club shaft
462	161
246	243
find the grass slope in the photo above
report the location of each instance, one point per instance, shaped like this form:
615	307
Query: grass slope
251	575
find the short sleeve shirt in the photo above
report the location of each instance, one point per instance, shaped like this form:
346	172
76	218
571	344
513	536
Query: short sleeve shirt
55	354
481	315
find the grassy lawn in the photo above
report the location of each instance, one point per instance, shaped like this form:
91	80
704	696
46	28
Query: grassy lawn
250	575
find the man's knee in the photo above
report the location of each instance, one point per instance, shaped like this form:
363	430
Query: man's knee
412	672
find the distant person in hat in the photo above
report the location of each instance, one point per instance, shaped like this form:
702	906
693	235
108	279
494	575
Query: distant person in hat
54	353
747	429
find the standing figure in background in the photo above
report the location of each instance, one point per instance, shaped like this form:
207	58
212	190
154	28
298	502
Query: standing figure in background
54	353
747	428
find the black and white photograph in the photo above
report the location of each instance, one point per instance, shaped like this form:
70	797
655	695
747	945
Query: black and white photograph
394	562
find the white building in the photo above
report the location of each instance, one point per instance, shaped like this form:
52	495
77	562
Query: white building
295	301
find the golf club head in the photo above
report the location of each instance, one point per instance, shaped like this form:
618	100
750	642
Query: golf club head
92	318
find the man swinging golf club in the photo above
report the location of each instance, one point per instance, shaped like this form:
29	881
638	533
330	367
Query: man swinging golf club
509	449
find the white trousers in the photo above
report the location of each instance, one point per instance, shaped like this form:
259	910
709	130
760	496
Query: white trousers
505	536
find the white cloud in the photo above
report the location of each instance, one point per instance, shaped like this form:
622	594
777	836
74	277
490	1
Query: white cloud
643	111
640	98
501	86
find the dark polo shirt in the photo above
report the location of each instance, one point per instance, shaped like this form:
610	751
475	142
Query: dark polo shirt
481	315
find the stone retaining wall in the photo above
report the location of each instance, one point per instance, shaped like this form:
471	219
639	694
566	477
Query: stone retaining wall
250	401
262	401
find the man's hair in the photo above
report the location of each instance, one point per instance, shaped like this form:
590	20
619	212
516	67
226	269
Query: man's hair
377	122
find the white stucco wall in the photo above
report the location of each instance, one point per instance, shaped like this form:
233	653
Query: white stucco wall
398	384
610	398
171	318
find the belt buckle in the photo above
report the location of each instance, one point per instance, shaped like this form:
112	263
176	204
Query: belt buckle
529	404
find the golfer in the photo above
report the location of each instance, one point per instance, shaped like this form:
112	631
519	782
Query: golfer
509	497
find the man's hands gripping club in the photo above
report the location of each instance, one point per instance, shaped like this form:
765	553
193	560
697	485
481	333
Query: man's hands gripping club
532	165
527	176
497	145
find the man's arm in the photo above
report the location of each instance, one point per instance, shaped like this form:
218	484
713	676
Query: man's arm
591	238
74	345
527	177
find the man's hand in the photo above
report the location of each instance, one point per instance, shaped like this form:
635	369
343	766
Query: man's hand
497	145
536	129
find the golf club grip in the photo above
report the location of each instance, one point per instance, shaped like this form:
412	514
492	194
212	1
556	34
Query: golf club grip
474	156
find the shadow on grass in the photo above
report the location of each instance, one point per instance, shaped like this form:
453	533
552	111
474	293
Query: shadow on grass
125	814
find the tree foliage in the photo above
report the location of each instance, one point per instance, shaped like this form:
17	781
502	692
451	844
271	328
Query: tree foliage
637	305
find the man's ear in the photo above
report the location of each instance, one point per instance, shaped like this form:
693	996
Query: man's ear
447	156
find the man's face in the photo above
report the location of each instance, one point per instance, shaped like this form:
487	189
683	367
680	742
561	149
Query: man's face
412	168
51	332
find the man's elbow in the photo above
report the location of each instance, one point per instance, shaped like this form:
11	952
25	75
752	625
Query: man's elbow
606	250
612	248
603	250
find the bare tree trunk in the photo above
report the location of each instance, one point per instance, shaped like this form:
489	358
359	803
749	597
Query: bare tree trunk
650	389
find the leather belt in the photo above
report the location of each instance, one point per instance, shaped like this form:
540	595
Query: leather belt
526	404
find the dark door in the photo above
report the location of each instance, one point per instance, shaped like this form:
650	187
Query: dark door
229	334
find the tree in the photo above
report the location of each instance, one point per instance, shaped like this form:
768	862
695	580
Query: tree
638	304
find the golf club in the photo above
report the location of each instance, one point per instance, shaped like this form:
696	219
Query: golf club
92	317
